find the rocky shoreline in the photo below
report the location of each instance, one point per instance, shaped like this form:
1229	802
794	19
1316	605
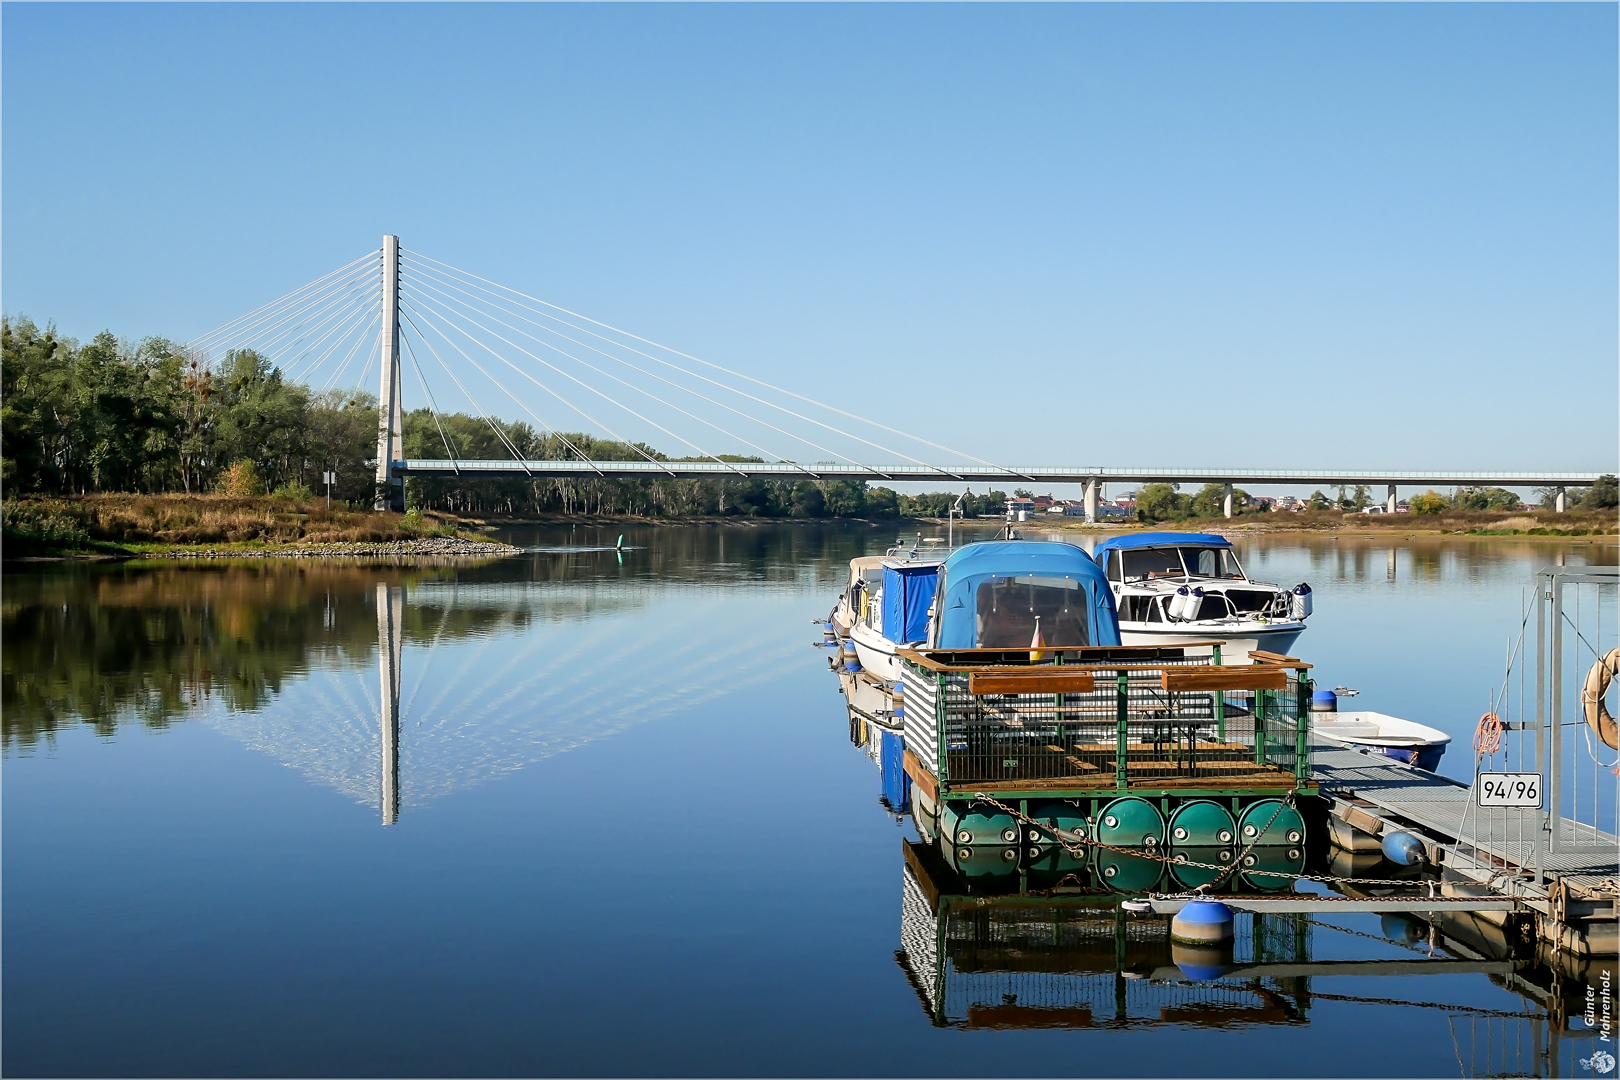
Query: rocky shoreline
433	546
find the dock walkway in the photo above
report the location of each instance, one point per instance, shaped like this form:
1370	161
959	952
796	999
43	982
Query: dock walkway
1499	847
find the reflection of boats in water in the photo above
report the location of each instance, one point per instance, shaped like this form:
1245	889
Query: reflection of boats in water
1021	961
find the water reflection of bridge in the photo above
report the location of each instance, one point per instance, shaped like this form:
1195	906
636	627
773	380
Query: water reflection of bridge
475	680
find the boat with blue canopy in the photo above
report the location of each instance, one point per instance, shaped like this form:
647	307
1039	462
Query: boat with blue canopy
1177	588
996	594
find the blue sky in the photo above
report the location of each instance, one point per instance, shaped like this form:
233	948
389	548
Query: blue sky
1264	236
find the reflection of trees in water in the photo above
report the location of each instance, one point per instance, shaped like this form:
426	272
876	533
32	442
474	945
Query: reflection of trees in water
109	645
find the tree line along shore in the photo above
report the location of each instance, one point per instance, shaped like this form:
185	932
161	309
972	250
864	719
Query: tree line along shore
138	445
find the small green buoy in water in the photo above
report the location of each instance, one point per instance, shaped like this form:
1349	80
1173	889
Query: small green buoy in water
620	546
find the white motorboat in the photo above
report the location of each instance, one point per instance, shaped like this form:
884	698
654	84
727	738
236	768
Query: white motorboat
1403	740
1179	588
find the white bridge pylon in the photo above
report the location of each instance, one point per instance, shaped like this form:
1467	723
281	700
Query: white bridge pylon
503	355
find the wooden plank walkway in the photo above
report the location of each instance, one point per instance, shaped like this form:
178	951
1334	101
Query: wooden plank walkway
1588	861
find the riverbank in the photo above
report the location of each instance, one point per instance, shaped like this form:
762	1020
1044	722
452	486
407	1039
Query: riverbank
210	526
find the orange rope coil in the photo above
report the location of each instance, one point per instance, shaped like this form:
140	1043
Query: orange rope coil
1487	736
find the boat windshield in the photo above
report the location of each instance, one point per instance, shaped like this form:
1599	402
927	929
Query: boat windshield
1212	562
1009	606
1175	562
1142	563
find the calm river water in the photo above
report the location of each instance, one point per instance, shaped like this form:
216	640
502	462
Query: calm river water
627	832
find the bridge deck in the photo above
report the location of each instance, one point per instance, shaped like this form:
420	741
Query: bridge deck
791	470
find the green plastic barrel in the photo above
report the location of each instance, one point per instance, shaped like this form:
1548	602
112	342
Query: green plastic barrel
1055	814
969	823
1131	822
1201	823
1287	830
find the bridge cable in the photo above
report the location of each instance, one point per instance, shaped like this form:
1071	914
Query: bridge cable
649	374
609	375
320	333
376	317
356	321
626	442
499	434
751	397
256	325
264	339
271	336
447	316
515	452
433	406
195	342
736	374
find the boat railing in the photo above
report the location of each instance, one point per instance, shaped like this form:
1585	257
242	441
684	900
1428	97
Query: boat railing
1124	718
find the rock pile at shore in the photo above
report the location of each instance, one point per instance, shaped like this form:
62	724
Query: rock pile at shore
433	546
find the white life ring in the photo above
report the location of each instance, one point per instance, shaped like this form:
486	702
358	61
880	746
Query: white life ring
1597	683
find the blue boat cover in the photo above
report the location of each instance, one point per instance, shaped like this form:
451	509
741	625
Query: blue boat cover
1002	561
908	592
1158	539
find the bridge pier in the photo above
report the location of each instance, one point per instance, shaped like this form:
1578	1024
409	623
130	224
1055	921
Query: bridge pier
390	414
1092	486
1390	503
1226	502
1558	501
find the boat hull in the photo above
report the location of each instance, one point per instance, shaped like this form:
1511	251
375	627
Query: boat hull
1236	642
876	653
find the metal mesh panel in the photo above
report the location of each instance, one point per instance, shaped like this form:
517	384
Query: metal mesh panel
1077	740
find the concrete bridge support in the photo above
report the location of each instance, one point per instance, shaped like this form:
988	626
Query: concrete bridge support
1092	487
1558	500
390	414
390	635
1226	504
1390	502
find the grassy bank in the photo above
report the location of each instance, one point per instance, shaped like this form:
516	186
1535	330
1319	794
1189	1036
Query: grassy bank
152	524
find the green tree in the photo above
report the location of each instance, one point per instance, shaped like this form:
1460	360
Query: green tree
1475	498
1430	502
1161	502
1604	495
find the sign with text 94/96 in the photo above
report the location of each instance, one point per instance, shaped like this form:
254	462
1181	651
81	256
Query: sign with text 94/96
1508	789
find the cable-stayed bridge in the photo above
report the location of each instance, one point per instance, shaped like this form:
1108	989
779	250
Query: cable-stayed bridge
489	346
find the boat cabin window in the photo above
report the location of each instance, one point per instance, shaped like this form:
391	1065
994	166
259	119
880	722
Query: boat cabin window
1009	606
1212	562
1142	563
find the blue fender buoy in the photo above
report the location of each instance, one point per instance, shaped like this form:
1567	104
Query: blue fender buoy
852	659
1403	849
1202	922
